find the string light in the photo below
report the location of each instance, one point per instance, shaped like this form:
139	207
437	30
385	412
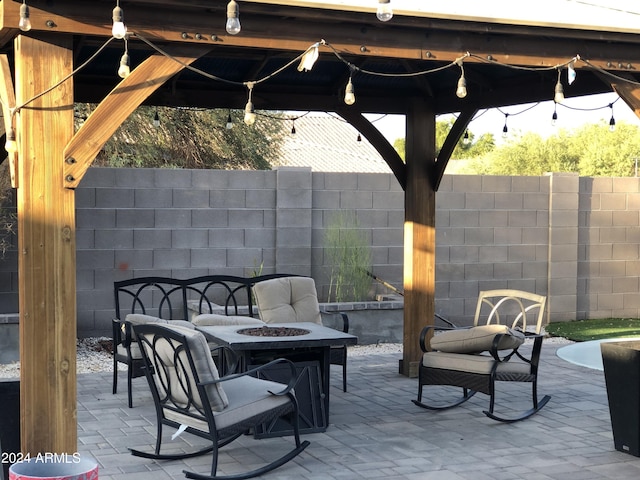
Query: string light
156	119
554	117
293	127
349	94
505	129
25	23
465	139
229	124
612	121
119	30
249	113
11	146
233	20
384	11
461	91
124	70
559	90
359	138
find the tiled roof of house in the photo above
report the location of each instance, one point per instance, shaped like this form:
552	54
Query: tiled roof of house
327	143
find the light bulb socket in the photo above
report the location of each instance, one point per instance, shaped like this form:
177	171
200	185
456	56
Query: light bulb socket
117	15
229	124
233	11
156	120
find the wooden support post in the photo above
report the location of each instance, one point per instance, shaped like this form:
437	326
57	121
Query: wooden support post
46	246
419	232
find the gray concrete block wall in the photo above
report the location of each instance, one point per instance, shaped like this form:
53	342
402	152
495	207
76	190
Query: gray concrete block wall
575	239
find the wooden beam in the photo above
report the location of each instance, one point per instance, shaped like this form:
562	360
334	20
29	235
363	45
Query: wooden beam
449	145
630	94
46	242
118	105
289	29
419	233
7	94
378	141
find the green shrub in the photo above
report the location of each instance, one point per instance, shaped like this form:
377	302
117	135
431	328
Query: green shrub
349	256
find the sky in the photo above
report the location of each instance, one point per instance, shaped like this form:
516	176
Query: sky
572	114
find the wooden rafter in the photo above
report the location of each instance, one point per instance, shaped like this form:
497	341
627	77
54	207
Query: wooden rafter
119	104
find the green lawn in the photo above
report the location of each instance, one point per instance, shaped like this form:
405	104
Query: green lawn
582	330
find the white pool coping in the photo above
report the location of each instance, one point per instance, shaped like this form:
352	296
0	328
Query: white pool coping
587	354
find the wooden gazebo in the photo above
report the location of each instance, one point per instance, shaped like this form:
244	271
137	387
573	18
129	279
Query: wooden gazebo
181	55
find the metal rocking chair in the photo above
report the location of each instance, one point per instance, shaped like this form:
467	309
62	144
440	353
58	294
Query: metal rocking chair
188	392
476	358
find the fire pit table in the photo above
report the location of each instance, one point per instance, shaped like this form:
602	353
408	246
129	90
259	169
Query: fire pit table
307	345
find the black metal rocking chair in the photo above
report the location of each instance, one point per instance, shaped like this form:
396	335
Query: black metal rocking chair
188	392
476	358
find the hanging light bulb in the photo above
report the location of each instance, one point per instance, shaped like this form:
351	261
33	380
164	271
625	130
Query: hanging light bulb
124	70
559	91
229	124
156	120
612	121
309	58
359	138
384	12
349	95
465	139
119	30
249	113
25	23
11	146
293	127
505	129
233	19
554	117
461	91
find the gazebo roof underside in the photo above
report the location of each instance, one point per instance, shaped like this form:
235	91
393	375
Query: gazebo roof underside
274	34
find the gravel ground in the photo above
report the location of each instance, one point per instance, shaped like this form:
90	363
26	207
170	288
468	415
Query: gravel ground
94	355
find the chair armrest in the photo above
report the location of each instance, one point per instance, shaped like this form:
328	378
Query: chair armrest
345	322
293	378
122	334
425	331
224	352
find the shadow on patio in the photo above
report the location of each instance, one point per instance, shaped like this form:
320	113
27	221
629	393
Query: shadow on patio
377	432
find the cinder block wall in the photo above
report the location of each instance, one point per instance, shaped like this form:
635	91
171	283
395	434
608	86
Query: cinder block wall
574	239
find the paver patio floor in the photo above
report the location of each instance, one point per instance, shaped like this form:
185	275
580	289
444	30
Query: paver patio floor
377	432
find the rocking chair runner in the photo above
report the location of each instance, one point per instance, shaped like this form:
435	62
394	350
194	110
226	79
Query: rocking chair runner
476	358
188	392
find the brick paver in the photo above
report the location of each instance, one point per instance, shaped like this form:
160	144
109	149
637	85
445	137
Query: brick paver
377	432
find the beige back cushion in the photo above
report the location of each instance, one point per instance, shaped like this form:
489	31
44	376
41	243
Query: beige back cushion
287	299
178	372
476	339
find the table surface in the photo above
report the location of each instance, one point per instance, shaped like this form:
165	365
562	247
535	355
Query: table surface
318	336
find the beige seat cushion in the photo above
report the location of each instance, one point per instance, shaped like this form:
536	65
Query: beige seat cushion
216	319
288	299
476	339
481	364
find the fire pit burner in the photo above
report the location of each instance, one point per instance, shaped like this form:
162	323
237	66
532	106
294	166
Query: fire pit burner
273	331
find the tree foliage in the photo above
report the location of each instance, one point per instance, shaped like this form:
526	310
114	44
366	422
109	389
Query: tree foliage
190	138
467	147
591	150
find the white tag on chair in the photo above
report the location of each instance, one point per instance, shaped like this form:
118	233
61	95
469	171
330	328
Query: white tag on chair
181	429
